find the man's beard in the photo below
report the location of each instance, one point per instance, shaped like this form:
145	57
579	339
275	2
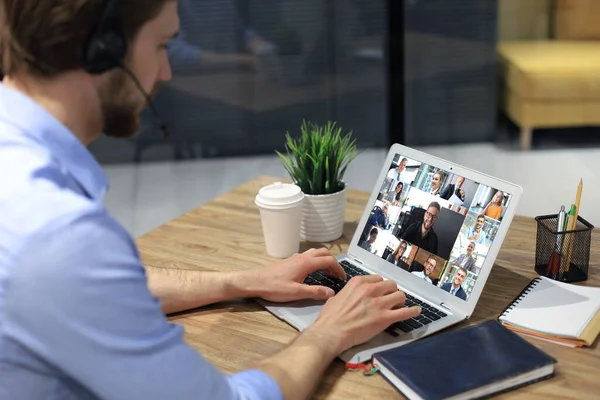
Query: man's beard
121	102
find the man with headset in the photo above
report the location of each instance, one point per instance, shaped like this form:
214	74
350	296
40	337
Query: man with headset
80	316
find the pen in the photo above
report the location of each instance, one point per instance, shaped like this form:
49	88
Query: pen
560	227
571	225
553	268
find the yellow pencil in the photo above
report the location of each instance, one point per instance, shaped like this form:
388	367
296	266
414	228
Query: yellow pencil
578	199
570	237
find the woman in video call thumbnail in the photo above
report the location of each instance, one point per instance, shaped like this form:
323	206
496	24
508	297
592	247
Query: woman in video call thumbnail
396	257
393	196
436	183
494	208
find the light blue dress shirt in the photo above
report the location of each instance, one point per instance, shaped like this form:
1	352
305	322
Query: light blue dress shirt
482	236
77	320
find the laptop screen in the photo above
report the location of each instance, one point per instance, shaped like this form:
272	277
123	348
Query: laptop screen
434	224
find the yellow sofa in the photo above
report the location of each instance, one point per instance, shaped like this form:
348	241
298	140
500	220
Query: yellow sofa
555	83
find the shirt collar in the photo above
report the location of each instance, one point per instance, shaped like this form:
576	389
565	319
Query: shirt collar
37	123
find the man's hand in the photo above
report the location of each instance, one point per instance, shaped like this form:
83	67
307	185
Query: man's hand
283	281
180	290
365	307
474	237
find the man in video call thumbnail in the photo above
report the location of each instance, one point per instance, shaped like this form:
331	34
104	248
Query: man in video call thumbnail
455	287
421	234
368	244
454	189
476	233
429	267
379	217
466	260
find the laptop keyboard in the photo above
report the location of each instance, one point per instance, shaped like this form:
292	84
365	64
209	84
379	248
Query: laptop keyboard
320	278
428	315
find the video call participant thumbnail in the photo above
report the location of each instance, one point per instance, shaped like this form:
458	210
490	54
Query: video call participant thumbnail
368	244
395	174
429	265
394	197
436	183
396	257
454	189
466	260
421	234
455	287
379	217
476	233
494	208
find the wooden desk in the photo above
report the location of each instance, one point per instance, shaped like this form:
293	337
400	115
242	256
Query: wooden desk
225	234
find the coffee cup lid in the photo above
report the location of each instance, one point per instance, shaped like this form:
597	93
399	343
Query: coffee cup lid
279	195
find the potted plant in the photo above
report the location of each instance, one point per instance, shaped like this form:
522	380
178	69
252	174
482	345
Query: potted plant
317	161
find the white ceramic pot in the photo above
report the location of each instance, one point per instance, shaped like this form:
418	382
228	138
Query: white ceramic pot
323	217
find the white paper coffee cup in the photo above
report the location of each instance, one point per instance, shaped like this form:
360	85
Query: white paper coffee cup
280	212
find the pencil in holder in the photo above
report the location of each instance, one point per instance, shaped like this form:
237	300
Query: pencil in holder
562	255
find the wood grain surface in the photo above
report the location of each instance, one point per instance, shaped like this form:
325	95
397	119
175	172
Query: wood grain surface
225	234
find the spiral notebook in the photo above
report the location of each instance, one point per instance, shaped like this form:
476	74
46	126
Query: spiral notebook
554	311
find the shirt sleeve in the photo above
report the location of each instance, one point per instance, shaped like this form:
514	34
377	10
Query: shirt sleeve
78	299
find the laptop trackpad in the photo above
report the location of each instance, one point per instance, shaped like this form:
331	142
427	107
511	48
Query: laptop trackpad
301	313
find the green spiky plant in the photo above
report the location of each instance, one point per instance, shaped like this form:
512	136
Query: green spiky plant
317	160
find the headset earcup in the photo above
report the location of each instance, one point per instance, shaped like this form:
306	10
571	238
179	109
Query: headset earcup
104	51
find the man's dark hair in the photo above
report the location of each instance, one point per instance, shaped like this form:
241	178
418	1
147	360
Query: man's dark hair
435	204
481	216
374	231
46	38
461	268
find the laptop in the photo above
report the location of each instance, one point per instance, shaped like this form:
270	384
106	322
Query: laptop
439	252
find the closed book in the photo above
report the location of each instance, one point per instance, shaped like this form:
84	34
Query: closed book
468	363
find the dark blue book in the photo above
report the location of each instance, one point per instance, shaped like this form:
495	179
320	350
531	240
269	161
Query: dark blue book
469	363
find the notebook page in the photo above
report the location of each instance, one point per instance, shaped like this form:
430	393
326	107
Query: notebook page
555	308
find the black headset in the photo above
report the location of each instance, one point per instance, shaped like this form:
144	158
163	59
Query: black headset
106	46
105	49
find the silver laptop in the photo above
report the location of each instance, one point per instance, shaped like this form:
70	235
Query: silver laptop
438	250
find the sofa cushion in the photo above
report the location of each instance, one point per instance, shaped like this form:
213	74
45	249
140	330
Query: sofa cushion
551	70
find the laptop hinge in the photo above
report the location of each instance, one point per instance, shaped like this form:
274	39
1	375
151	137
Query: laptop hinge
442	304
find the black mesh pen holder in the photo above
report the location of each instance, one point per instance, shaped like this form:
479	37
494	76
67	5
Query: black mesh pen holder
560	254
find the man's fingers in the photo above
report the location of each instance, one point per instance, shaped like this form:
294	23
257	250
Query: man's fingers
404	313
315	292
371	278
383	288
321	251
393	300
326	263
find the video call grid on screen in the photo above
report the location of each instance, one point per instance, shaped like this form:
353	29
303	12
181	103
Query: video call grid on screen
434	224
